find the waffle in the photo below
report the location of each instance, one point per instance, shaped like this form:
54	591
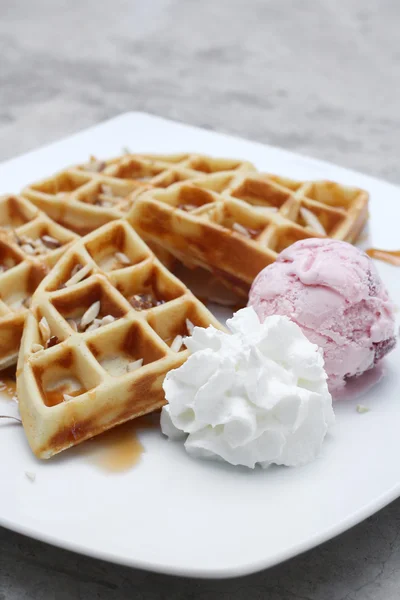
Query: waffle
235	224
85	197
30	244
104	328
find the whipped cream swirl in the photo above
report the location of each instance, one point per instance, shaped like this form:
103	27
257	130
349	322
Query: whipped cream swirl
258	396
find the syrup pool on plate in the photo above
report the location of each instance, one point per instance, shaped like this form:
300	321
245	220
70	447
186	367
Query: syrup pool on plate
120	449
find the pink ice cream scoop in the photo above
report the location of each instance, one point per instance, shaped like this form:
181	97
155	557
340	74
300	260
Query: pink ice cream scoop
334	293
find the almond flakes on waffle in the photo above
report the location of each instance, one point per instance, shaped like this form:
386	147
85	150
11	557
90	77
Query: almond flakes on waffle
30	244
235	224
84	197
104	328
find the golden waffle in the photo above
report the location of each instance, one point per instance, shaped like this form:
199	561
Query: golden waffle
236	224
30	244
104	328
87	196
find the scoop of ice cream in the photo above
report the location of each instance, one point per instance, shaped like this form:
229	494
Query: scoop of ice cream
332	290
258	396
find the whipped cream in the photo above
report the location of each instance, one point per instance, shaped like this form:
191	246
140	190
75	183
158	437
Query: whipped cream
257	396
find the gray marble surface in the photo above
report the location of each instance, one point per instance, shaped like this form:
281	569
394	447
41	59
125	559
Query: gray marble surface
317	77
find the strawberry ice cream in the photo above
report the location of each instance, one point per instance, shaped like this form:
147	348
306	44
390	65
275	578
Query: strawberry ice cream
334	293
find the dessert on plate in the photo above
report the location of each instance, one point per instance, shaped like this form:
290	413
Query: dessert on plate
256	396
235	224
333	291
86	196
317	317
107	327
103	329
82	198
217	213
30	244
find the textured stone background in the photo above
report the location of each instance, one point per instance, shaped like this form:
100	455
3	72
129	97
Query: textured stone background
317	77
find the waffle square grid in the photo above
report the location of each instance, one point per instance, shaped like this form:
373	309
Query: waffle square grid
30	244
235	224
84	197
104	328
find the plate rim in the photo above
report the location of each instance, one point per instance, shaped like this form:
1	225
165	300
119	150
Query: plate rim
315	162
230	572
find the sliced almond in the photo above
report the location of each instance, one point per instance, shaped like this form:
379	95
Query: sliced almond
76	268
133	366
90	315
106	189
78	275
73	324
37	347
177	343
50	241
95	166
107	320
241	229
27	302
8	263
28	249
189	326
23	239
44	329
143	301
312	221
187	207
105	200
94	325
123	258
30	475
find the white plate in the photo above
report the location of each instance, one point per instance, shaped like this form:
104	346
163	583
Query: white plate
178	515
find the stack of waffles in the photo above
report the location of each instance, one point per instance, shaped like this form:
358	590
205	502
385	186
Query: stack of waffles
106	324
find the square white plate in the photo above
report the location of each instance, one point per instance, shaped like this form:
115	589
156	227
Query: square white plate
172	513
